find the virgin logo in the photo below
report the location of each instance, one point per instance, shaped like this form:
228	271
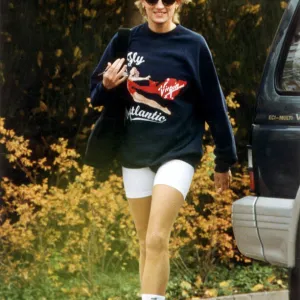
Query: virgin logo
170	88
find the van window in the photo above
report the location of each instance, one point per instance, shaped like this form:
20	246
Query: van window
289	80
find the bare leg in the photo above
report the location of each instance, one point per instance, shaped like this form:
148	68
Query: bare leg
140	211
166	202
141	99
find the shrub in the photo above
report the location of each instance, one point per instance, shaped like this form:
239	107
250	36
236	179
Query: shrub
75	227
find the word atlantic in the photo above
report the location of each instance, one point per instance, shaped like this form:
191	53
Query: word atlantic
136	113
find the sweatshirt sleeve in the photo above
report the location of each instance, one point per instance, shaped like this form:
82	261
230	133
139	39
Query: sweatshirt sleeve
99	94
215	112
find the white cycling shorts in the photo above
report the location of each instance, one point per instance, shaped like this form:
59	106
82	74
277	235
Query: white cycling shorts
138	183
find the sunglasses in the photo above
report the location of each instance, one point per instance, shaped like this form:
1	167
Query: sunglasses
165	2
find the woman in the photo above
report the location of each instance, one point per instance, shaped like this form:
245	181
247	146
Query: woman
164	127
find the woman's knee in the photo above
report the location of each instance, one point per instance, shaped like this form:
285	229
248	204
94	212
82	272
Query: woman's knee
156	243
142	233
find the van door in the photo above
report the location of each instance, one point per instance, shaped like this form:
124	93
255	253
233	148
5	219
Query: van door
276	139
276	128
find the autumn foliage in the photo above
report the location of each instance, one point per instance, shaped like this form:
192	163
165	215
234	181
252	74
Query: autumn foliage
75	226
68	223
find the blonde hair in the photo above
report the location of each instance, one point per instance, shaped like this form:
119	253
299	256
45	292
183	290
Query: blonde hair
176	17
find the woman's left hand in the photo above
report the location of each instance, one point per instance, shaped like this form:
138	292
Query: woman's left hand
222	181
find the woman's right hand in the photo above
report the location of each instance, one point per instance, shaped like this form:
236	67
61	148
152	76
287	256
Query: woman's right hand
114	74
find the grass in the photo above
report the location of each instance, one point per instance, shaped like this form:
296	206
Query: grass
124	285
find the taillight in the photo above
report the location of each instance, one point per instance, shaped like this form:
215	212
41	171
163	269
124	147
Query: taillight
250	169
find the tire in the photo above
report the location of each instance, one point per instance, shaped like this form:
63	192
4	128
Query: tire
294	273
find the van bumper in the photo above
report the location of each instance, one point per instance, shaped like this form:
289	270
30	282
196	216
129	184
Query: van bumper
261	228
245	229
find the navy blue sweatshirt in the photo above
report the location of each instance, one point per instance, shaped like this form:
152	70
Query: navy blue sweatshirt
172	89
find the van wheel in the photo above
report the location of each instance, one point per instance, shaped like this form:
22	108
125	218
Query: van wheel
294	273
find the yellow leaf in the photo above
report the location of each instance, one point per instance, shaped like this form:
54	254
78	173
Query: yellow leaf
86	291
280	283
211	293
86	129
250	9
283	5
198	282
206	126
271	278
81	136
185	285
224	284
71	112
94	13
235	65
43	106
87	26
77	73
80	67
39	58
259	21
25	274
58	52
77	52
67	32
258	287
184	293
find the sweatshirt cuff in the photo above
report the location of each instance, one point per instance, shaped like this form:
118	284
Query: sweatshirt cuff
102	89
222	167
100	95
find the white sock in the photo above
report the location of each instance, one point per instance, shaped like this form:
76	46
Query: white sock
152	297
